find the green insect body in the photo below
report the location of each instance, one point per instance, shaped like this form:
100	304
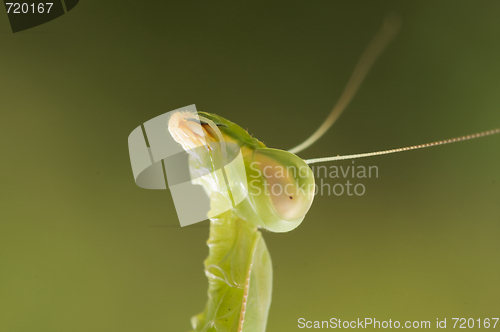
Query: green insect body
238	267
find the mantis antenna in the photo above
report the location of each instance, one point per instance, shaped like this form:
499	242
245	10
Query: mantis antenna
377	45
408	148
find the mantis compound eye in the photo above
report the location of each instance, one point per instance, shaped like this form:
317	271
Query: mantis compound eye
286	182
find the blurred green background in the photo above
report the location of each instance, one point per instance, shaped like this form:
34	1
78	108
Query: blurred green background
82	248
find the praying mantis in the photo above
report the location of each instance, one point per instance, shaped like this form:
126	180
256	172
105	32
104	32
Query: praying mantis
238	266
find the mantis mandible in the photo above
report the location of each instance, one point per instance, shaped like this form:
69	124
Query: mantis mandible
238	266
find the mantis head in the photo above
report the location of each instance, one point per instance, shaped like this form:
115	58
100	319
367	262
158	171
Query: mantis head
278	185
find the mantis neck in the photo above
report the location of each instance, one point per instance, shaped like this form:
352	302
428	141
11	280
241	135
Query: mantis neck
239	273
